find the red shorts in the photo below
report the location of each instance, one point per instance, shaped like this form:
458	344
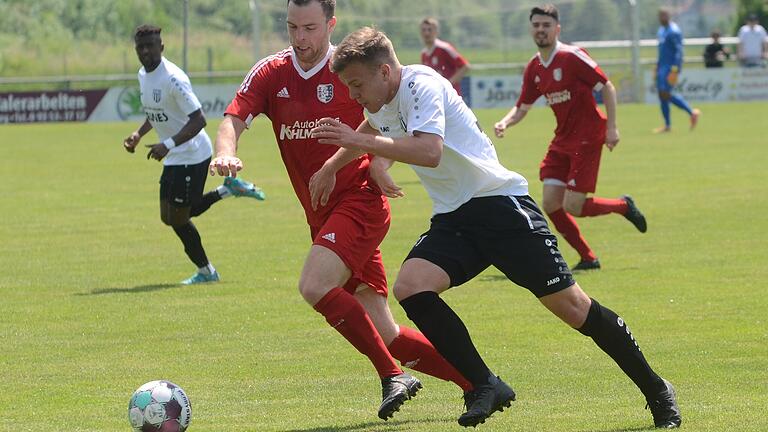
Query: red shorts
354	231
577	170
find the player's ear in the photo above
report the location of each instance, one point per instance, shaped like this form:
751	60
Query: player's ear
386	71
331	24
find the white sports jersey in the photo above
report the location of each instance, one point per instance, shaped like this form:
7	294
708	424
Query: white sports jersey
469	168
752	40
168	100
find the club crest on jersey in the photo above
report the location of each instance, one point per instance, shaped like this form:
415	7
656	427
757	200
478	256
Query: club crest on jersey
156	95
557	74
325	93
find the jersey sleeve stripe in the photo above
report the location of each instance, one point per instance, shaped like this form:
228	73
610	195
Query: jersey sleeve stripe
585	58
259	65
448	48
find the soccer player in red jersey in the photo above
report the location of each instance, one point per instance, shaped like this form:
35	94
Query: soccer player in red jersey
343	276
440	55
566	76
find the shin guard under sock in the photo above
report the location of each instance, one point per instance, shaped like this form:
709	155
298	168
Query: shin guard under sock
415	351
448	334
347	316
193	245
599	206
612	335
566	225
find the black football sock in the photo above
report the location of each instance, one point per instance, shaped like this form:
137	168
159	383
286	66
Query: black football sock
193	245
205	203
612	335
440	324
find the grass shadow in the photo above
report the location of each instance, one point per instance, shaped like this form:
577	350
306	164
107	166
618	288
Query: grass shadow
390	426
133	290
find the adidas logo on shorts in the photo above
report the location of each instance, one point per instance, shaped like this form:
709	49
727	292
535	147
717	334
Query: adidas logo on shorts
331	237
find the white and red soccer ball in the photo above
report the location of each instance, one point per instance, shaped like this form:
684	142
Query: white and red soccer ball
159	406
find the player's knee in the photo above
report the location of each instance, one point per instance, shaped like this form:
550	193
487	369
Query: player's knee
665	96
573	207
166	219
311	291
404	289
551	206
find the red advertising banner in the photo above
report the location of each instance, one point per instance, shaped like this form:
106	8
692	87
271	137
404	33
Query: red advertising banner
49	106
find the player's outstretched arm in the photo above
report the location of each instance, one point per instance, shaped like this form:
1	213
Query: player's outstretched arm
513	117
609	100
226	162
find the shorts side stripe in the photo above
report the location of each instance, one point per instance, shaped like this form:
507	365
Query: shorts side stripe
522	212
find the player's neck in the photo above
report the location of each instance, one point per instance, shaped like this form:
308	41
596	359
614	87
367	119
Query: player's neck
397	75
546	52
321	55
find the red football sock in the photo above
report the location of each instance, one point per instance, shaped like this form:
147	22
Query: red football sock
347	316
415	351
600	206
566	225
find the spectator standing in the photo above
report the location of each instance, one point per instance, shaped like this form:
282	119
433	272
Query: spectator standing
753	43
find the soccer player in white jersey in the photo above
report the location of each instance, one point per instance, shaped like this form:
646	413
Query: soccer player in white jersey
482	217
175	113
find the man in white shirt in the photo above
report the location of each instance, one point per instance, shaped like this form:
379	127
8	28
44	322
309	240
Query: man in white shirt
176	114
753	43
483	216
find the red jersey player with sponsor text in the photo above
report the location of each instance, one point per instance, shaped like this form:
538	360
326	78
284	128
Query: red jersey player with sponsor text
440	55
566	76
343	276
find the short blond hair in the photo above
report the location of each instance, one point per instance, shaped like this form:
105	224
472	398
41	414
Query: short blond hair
431	21
367	45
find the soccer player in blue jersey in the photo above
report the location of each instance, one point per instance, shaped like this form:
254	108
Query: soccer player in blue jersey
668	67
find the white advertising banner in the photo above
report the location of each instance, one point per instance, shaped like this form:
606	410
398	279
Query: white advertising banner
124	103
715	85
496	91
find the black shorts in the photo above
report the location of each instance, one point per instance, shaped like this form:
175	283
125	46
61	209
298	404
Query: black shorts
509	233
182	185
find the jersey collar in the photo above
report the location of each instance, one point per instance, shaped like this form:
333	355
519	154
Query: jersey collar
310	73
546	64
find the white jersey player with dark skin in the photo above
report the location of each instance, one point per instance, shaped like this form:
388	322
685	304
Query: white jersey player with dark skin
483	217
174	111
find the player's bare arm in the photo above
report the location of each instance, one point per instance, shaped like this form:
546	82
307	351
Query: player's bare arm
459	74
380	175
133	139
379	167
609	100
194	125
513	117
226	162
322	183
422	149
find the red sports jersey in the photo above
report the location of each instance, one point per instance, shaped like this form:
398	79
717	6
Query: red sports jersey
445	59
294	100
567	81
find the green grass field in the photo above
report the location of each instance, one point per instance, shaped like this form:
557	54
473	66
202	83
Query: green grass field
90	308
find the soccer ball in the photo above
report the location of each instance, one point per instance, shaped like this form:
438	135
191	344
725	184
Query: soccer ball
159	406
